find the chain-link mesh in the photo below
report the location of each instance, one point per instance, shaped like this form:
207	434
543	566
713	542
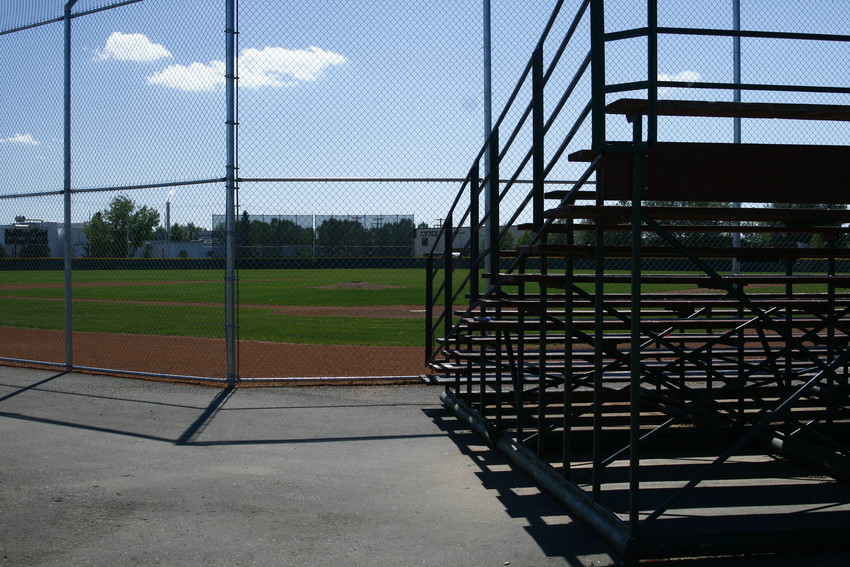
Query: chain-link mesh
31	301
16	15
357	122
149	98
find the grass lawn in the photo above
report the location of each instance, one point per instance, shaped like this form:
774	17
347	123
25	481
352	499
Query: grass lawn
189	303
110	308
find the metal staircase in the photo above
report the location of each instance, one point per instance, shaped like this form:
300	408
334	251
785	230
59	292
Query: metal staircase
678	408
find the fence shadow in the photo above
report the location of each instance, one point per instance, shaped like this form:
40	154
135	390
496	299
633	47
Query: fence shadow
549	525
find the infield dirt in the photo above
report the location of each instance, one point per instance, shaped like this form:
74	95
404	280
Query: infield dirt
195	356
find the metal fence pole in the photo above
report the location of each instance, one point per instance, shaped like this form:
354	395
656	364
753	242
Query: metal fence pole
230	189
66	188
736	93
488	127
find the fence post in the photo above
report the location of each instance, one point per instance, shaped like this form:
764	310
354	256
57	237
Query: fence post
230	188
488	120
66	189
474	233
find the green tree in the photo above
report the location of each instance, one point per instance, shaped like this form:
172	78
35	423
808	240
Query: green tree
808	238
524	238
243	236
337	237
121	229
289	239
180	233
391	239
508	242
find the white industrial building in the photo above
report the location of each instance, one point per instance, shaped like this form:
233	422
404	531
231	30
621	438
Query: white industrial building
16	238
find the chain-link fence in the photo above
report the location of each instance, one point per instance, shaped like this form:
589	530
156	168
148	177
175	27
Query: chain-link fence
346	132
342	133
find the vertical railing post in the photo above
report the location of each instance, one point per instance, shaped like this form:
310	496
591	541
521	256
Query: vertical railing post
538	170
66	189
537	161
736	122
566	442
638	181
429	306
597	126
448	291
597	74
493	214
652	71
230	188
474	234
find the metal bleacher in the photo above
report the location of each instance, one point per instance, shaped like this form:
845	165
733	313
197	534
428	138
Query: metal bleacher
686	410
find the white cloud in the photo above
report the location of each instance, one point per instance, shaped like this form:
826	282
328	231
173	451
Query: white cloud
689	77
132	47
24	139
279	67
194	77
267	67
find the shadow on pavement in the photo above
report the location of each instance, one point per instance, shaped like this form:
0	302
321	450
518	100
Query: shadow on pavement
549	525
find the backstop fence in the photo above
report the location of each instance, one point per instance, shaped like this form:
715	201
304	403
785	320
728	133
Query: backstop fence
244	189
232	190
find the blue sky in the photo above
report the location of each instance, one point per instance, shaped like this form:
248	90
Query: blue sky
336	88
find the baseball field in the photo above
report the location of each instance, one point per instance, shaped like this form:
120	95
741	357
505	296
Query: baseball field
290	322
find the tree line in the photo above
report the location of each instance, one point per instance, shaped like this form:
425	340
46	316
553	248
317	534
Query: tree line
334	237
123	228
120	231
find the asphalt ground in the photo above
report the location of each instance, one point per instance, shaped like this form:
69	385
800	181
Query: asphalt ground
112	471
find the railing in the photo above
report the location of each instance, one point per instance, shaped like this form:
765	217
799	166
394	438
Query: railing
471	256
461	263
533	434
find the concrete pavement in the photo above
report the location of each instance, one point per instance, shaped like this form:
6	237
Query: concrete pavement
111	471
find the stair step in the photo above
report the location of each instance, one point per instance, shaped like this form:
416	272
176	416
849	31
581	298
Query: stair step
752	254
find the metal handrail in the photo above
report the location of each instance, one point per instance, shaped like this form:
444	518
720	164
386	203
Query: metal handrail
450	230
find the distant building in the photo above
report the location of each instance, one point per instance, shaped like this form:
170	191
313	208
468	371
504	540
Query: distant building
36	238
204	246
426	238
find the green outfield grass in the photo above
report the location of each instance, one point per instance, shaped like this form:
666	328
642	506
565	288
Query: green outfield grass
263	287
190	303
110	307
